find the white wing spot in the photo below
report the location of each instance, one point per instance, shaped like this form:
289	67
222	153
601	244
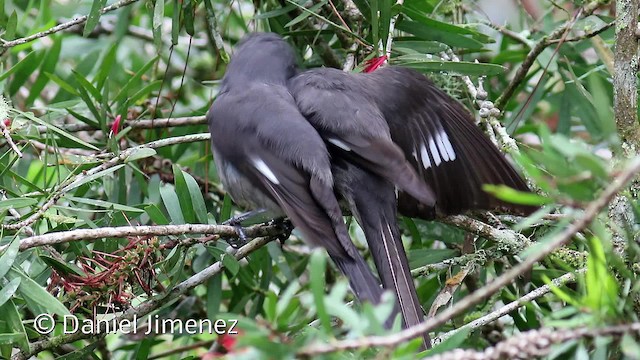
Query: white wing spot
262	167
425	156
434	152
448	146
441	148
339	144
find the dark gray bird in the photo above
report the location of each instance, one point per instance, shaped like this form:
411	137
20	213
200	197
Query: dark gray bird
269	156
436	136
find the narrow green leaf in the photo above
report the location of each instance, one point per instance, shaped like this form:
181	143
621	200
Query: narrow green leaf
104	204
7	291
317	271
459	67
17	203
175	22
156	215
8	257
140	153
48	66
38	299
12	24
106	65
95	176
13	320
197	200
182	190
94	17
508	194
172	203
158	18
63	84
56	129
304	15
122	94
27	59
426	32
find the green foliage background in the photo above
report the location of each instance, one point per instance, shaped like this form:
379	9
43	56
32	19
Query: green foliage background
163	59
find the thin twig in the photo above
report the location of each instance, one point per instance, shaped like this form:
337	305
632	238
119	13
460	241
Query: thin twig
7	136
590	212
142	230
137	124
392	27
495	315
5	45
535	343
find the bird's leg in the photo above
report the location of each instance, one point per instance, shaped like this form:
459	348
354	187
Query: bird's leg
285	225
236	222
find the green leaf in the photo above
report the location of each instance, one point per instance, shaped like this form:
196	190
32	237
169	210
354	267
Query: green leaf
13	322
56	129
94	17
9	256
122	94
26	60
317	270
48	66
12	24
313	9
38	299
140	153
62	267
105	204
182	190
425	64
511	195
7	291
17	203
95	176
426	32
422	257
156	215
197	200
158	18
172	204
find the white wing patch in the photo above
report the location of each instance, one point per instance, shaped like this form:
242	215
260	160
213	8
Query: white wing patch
339	144
434	152
425	156
262	167
440	149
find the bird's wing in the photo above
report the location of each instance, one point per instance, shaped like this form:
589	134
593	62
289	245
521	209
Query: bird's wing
354	128
269	143
440	140
262	133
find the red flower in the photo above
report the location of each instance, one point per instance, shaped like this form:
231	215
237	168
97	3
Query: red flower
115	127
373	64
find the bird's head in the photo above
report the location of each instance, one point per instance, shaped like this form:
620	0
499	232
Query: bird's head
262	57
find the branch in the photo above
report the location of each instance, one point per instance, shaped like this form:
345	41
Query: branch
147	306
535	343
137	124
579	223
7	136
625	93
5	45
143	230
495	315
